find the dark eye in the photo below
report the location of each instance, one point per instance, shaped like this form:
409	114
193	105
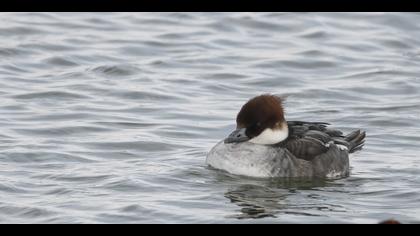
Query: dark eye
258	124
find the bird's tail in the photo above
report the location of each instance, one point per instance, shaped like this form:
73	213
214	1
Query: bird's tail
356	140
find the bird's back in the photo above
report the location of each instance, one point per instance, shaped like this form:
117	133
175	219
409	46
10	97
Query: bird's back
308	140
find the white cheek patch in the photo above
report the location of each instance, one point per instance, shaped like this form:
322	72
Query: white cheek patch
270	136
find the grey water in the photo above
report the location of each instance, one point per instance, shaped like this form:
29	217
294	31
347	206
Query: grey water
108	117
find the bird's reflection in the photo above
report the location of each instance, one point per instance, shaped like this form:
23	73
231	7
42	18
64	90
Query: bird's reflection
260	199
256	201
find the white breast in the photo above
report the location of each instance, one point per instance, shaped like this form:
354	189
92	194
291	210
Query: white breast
240	159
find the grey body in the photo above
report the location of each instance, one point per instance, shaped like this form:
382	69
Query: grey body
255	160
312	150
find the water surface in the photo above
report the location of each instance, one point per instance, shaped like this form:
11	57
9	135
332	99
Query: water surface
107	117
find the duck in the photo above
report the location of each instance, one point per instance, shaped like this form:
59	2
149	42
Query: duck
265	145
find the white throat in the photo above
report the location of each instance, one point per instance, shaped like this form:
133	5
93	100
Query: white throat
271	136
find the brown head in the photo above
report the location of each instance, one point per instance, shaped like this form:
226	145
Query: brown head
261	120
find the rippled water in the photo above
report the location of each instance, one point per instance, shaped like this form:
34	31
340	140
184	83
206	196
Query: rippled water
107	117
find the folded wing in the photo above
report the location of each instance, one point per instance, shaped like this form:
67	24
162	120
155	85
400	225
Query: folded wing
308	140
